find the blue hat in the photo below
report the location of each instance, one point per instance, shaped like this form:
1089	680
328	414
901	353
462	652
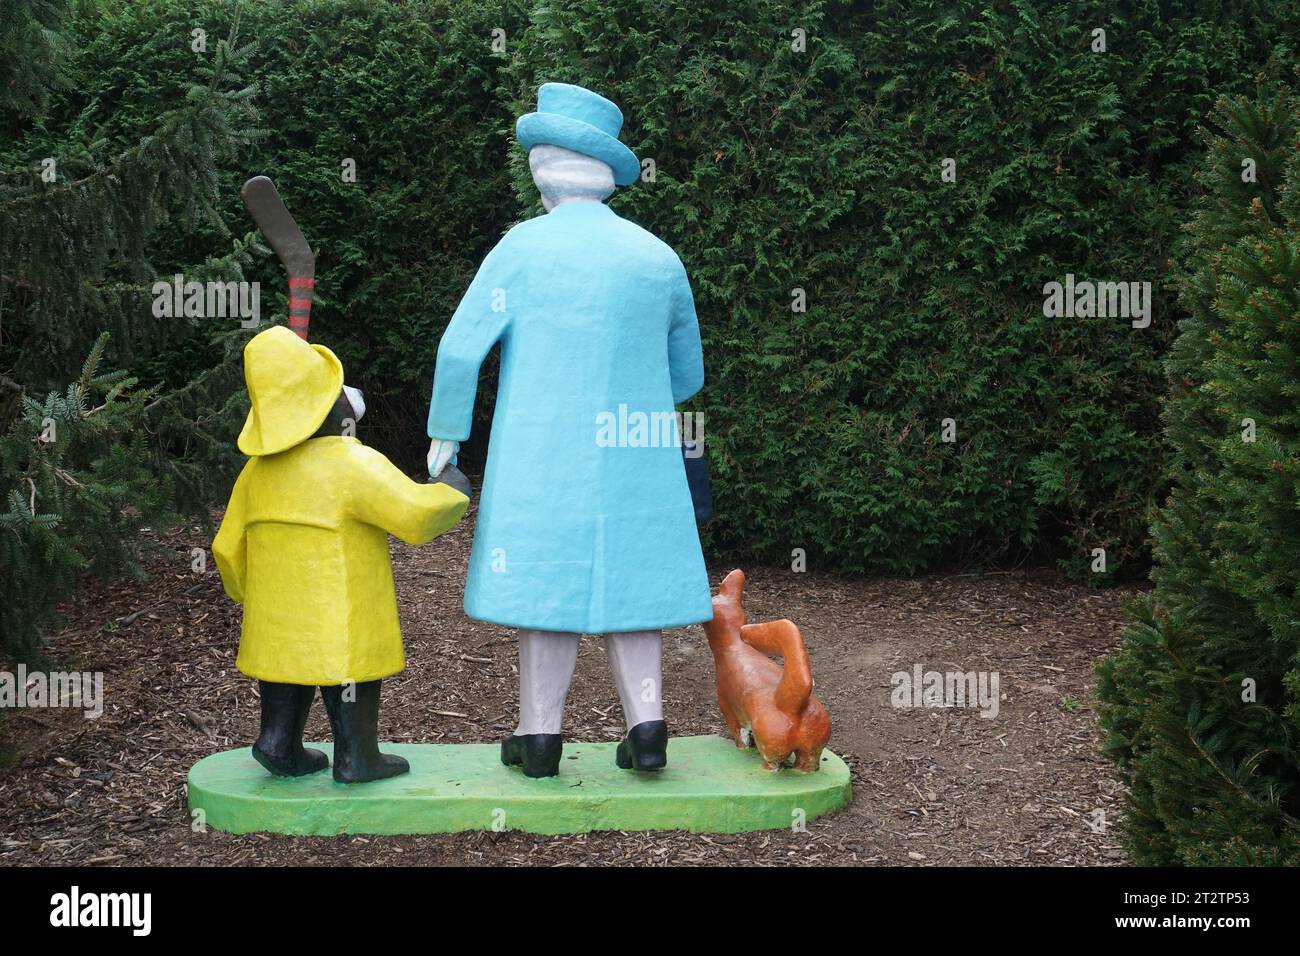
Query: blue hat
580	120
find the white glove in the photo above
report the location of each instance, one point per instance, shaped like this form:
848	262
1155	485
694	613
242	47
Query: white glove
442	452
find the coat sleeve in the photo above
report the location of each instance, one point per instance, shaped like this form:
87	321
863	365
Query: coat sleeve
478	323
379	494
685	354
229	547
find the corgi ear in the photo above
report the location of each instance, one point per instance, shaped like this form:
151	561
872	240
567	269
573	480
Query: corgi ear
733	584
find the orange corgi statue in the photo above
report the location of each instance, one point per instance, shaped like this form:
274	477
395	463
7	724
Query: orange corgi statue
764	704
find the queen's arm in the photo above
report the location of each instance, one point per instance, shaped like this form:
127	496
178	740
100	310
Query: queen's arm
479	322
685	353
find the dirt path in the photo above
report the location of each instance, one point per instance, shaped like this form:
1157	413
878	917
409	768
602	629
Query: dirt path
931	786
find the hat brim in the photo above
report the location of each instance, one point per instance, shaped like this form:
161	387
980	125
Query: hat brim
553	129
251	438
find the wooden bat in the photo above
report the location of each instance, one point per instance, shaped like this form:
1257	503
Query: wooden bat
272	217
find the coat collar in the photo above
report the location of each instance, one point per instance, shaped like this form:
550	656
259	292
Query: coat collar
581	208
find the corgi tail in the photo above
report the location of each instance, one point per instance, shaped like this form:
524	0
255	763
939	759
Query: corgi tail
782	638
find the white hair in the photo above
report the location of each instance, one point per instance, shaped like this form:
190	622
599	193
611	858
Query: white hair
563	174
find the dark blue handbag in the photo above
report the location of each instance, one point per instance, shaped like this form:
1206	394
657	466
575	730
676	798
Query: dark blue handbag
697	477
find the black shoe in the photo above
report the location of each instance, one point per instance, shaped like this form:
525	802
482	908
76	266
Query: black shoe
644	748
279	744
538	753
356	736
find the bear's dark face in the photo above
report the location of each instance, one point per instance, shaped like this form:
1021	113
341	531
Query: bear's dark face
341	420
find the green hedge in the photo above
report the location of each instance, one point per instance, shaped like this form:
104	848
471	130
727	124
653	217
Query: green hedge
820	170
776	169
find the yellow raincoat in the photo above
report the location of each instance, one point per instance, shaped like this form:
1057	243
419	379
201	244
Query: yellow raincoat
304	547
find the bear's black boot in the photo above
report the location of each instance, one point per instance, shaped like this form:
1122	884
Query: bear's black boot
279	745
356	734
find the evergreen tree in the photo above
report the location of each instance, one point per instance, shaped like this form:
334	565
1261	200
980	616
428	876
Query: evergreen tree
1201	705
32	52
85	466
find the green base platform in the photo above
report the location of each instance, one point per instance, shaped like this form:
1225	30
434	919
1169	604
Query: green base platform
710	786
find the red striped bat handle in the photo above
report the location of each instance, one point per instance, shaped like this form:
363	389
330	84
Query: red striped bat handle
300	304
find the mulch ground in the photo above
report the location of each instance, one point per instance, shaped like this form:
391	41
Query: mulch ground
931	786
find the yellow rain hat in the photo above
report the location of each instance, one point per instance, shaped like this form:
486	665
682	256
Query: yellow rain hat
292	386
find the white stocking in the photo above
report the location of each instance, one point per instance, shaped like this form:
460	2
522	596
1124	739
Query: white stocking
635	657
546	663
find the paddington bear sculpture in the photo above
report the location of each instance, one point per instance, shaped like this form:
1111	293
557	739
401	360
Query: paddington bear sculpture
574	535
766	705
303	547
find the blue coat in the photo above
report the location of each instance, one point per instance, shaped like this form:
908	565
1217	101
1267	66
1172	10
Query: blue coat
585	521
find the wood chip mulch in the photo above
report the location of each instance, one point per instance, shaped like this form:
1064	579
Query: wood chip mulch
931	786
